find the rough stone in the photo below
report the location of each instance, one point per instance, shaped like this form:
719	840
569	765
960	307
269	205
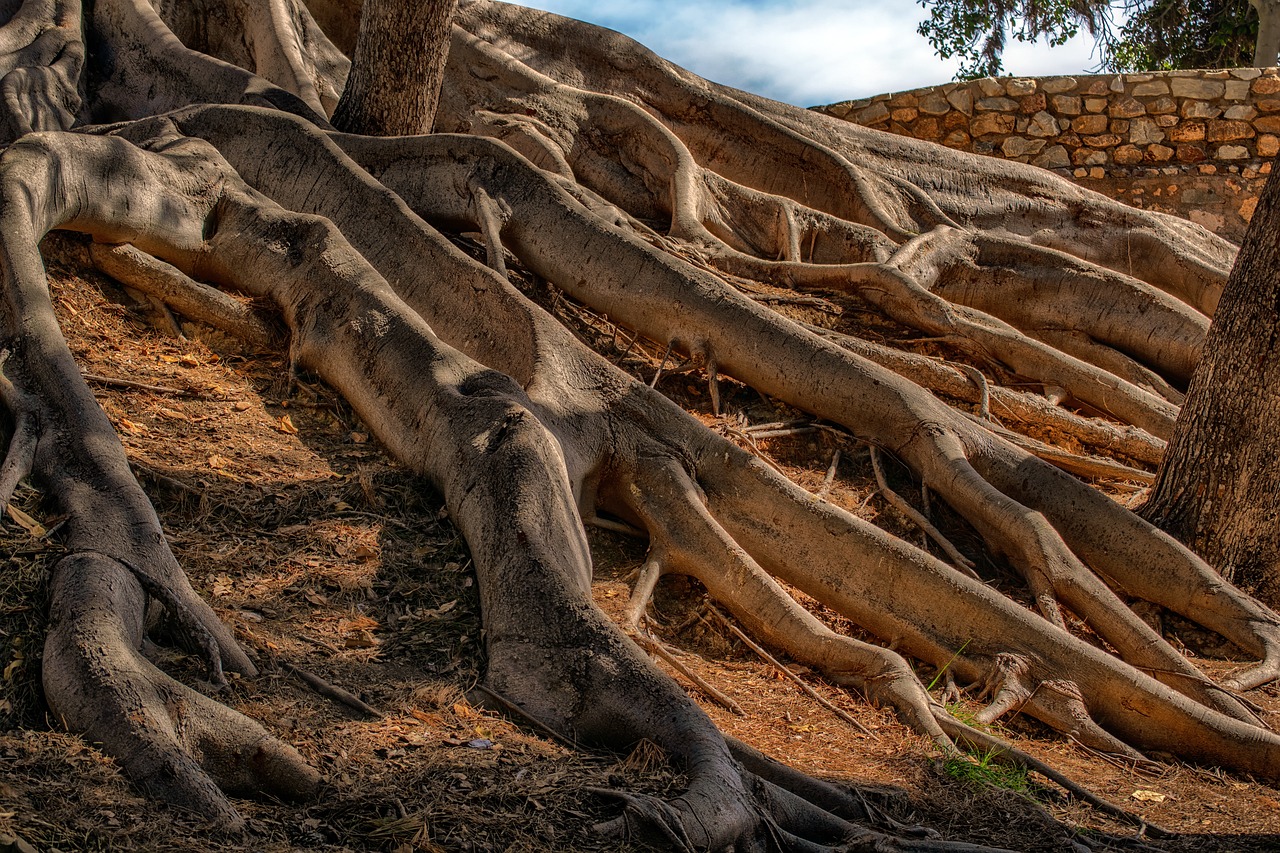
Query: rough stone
1192	131
1211	221
990	87
1032	103
1268	145
926	128
1159	153
1089	124
1233	152
1128	155
1071	140
1268	85
1081	173
1166	121
1140	77
1096	86
1126	107
1117	84
904	99
1190	153
1228	131
1095	158
1191	87
1268	105
1240	112
953	120
1199	109
989	123
1247	207
1002	105
1208	169
874	114
936	105
1043	124
1097	173
1067	105
1149	89
904	114
1267	124
1017	86
1095	105
1017	146
960	99
1119	125
1056	157
1057	85
1237	90
1144	131
957	139
1162	105
1102	140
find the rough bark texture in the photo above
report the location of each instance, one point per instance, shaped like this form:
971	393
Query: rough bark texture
683	211
1218	483
395	79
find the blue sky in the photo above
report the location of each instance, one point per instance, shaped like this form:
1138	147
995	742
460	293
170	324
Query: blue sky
805	51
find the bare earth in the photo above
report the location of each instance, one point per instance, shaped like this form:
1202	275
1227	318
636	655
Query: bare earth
328	558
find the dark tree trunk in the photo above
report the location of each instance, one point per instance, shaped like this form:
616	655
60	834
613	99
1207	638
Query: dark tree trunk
397	68
1218	485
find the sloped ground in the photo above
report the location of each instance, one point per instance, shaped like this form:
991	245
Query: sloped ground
330	560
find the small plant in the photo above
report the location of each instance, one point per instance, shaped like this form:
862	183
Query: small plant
983	769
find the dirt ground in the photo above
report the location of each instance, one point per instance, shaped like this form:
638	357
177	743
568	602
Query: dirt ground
332	561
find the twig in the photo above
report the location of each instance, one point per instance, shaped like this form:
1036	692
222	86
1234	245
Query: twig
1073	463
831	475
984	389
514	709
653	383
659	649
650	573
329	691
783	433
140	386
809	691
962	562
616	526
1005	753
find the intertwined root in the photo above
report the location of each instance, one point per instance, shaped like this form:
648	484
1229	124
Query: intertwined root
527	432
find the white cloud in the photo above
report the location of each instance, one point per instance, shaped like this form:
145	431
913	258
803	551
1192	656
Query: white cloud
807	51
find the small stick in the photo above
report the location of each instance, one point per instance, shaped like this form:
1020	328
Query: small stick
706	689
140	386
774	425
809	691
713	385
783	433
653	383
1006	753
329	691
515	710
831	475
617	527
962	562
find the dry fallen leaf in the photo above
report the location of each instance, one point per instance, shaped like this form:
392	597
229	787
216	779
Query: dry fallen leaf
216	461
285	425
242	406
26	522
1148	796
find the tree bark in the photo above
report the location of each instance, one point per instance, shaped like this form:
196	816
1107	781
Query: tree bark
1268	44
398	68
1216	488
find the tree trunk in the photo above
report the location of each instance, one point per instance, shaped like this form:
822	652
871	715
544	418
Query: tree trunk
1216	488
1268	45
398	68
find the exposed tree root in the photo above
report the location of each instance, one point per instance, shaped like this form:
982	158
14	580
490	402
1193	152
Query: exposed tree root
527	432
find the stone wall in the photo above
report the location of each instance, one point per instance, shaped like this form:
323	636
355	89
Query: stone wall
1197	144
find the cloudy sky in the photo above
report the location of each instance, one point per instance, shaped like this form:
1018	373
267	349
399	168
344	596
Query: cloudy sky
806	52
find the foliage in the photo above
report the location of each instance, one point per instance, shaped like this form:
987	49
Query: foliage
984	768
1154	35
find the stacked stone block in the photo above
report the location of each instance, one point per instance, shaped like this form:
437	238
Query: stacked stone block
1124	134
